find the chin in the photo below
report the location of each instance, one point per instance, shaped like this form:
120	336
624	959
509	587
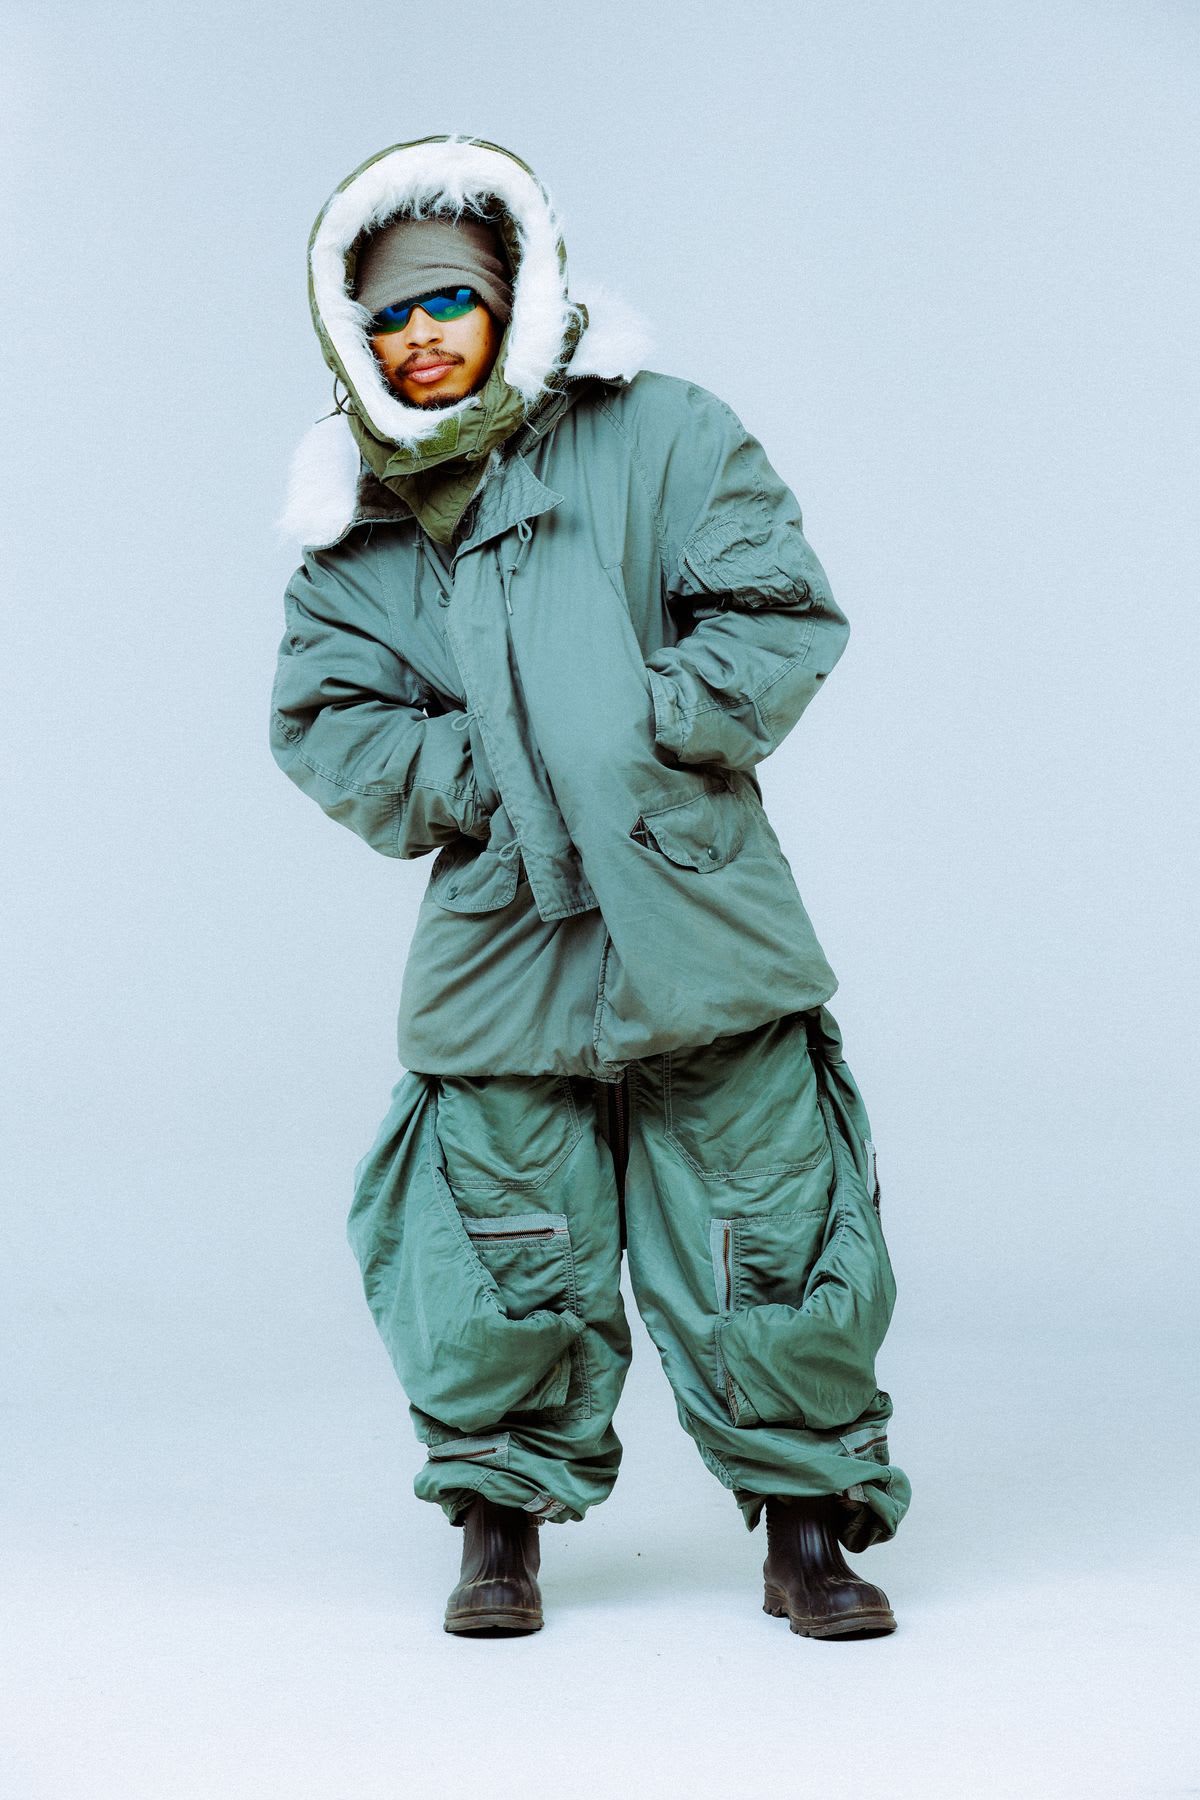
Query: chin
425	399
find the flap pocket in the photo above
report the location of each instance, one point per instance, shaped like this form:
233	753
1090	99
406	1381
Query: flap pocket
468	877
703	833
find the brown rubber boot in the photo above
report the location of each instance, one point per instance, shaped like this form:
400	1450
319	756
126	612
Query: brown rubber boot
806	1579
497	1594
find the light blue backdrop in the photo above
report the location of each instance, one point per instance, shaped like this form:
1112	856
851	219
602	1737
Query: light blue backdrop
942	262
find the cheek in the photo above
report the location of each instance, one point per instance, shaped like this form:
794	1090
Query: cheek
389	353
479	341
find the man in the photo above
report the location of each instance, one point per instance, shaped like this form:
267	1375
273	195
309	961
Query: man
553	611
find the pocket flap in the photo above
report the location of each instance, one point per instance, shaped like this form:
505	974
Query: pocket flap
703	833
470	878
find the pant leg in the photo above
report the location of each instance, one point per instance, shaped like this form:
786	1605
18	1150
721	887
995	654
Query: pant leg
758	1263
486	1226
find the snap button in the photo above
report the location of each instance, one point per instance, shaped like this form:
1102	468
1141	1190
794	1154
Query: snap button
712	851
450	892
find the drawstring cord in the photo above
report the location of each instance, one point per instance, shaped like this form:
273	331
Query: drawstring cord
508	570
341	406
460	722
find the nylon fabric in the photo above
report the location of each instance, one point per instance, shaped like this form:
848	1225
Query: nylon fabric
487	1223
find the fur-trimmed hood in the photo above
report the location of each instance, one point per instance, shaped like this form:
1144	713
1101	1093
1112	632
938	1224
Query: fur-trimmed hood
551	339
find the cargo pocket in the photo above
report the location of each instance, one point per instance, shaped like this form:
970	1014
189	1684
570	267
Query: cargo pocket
531	1259
463	1357
744	1108
761	1261
505	1132
702	833
811	1360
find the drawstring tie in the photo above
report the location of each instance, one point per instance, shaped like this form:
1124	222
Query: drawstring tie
508	570
459	722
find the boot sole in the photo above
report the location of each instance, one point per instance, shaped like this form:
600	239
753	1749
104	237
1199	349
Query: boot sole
510	1618
872	1621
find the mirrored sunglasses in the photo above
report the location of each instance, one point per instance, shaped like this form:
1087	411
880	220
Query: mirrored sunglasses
451	303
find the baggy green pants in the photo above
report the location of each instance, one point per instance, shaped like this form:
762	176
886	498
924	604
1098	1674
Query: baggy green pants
489	1219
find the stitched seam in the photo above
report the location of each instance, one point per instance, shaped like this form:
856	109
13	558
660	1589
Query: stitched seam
752	694
384	598
600	993
644	481
376	789
722	1174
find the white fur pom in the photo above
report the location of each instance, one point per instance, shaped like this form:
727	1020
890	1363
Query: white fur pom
617	340
322	484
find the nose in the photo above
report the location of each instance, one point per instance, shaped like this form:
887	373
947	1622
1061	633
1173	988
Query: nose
421	328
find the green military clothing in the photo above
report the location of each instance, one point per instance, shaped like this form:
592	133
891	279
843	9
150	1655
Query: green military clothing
562	693
485	1220
626	659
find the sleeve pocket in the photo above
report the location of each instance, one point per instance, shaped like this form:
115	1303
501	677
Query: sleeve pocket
737	555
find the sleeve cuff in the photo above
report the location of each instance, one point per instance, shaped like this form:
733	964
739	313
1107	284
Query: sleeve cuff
670	730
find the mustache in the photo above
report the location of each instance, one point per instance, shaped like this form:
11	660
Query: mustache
417	361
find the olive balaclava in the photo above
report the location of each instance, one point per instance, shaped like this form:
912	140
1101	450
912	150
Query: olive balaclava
407	257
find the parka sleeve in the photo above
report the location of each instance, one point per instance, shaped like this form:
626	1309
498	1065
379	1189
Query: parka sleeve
765	629
349	725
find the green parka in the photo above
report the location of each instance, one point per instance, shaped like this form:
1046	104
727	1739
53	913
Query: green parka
568	703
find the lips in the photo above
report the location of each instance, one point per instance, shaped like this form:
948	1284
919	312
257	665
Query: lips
427	373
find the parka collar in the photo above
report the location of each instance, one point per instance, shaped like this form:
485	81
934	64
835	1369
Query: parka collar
514	495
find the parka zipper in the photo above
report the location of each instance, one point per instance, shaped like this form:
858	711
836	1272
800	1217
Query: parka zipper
722	1248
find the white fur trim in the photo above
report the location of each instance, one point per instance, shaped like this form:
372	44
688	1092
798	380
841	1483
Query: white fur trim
323	478
322	484
420	178
617	340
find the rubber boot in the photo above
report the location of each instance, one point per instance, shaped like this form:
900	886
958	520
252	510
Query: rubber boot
497	1594
806	1579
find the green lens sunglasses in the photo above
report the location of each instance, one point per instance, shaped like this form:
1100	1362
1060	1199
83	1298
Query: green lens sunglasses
452	303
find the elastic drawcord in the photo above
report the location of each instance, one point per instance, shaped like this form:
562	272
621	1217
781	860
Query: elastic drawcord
513	844
462	719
